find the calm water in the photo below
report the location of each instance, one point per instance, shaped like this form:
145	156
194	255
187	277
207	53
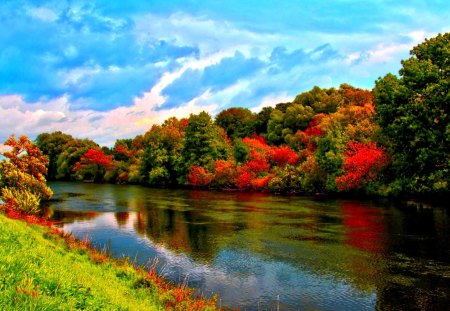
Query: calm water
261	252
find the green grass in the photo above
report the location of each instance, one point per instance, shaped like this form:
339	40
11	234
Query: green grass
40	271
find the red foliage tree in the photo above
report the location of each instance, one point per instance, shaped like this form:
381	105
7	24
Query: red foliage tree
362	163
199	176
260	183
93	156
93	163
257	143
283	155
225	173
244	177
257	163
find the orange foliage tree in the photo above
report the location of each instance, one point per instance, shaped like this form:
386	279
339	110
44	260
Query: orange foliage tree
199	176
22	181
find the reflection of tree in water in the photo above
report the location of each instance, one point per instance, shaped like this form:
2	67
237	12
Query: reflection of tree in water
185	230
122	218
413	263
419	267
68	217
363	226
178	230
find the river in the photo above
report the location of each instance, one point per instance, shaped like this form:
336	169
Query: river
263	252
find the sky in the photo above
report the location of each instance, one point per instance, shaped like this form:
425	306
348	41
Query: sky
110	69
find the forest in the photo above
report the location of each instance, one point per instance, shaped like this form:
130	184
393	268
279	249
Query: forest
393	140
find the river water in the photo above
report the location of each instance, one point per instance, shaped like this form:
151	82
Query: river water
265	252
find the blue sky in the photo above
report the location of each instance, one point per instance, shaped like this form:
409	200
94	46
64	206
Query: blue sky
111	69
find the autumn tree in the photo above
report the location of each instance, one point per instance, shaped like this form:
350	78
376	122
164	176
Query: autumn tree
73	151
127	156
362	164
413	112
92	165
23	183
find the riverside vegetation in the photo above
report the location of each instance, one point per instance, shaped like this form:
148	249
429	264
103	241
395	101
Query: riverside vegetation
391	141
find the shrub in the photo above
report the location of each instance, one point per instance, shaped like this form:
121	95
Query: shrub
21	199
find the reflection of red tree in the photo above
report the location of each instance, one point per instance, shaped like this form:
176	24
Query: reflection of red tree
122	218
363	226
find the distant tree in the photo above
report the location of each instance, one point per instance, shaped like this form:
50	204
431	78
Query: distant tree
72	153
262	118
320	100
92	165
205	142
162	162
237	122
413	112
52	145
122	149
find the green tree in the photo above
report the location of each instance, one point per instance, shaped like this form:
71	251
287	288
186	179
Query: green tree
237	122
262	118
162	160
72	153
52	144
205	142
413	112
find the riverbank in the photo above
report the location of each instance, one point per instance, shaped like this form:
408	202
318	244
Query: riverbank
41	268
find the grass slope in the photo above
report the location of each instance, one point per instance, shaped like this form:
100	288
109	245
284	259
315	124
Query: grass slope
37	273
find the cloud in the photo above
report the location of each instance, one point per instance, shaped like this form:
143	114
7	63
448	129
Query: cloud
214	78
95	60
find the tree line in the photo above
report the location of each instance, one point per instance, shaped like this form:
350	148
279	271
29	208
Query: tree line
389	141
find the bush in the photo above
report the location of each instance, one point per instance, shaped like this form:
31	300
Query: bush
21	199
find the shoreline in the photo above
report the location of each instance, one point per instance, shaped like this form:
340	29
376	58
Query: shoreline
55	243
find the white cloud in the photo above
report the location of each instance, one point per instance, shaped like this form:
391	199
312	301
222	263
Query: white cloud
209	35
271	101
21	117
43	13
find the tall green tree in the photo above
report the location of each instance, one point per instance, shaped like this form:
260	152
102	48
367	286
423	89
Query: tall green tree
52	144
413	112
162	160
237	122
205	142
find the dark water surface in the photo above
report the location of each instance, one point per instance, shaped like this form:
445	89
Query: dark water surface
263	252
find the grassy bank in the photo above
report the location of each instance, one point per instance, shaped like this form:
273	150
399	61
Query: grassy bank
43	269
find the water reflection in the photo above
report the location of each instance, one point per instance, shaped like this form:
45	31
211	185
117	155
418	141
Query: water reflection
253	248
364	226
